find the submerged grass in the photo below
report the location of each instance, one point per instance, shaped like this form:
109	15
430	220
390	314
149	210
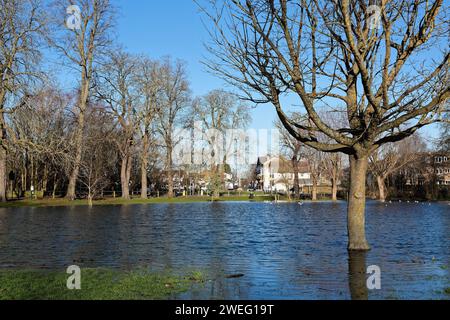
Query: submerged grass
96	284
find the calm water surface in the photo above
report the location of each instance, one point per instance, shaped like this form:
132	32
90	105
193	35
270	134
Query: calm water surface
283	251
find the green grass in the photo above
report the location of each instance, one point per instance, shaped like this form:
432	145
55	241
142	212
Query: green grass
119	201
96	284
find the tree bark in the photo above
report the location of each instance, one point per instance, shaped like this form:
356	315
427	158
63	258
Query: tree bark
314	190
334	187
71	192
3	155
296	179
55	185
125	176
3	151
382	194
144	167
45	180
90	199
357	203
169	172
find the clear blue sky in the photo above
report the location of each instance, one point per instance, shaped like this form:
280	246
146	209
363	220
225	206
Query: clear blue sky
174	27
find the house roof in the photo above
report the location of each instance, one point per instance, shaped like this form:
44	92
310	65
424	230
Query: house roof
283	166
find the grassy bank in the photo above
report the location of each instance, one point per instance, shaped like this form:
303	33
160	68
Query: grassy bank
118	201
96	284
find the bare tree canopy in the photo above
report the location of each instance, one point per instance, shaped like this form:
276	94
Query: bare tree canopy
82	46
174	100
325	53
219	112
334	54
21	27
115	86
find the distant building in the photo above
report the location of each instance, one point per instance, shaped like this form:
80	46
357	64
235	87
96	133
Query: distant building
431	168
442	168
276	174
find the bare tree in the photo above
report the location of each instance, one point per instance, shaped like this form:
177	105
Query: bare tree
149	88
99	156
292	148
39	131
116	86
82	46
331	53
333	163
315	160
444	140
21	26
391	158
174	99
333	167
222	114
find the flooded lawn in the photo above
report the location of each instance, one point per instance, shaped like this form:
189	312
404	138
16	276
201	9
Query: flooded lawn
248	250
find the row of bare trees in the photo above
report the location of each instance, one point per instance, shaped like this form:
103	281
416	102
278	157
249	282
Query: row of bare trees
392	158
385	163
131	127
21	28
121	119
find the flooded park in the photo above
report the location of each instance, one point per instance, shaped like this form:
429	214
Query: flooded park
247	250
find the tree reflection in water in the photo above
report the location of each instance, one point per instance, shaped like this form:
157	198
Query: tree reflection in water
357	277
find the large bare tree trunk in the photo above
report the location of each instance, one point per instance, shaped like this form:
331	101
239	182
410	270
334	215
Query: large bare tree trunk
71	192
357	204
144	167
45	180
170	183
125	177
170	172
314	190
2	172
334	187
296	179
382	194
3	156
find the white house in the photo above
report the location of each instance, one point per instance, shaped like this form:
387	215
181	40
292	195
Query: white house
276	174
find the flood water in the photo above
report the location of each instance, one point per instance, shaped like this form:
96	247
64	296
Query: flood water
282	251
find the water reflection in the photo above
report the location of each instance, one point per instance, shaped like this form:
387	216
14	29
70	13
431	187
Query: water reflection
283	251
357	275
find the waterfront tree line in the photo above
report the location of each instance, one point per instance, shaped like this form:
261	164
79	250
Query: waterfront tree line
414	169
